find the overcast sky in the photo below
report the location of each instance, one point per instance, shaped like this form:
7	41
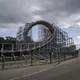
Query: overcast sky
65	13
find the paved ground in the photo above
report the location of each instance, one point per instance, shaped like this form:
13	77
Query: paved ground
68	70
16	73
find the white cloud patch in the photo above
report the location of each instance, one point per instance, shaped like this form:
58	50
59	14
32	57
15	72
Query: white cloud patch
78	37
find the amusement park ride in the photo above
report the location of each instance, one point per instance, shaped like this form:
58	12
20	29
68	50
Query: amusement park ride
56	44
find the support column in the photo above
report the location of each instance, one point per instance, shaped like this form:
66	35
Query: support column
50	54
2	57
31	53
58	56
13	52
64	55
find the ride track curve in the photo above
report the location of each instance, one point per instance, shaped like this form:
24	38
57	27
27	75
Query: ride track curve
48	40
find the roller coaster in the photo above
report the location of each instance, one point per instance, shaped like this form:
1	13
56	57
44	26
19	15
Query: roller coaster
56	44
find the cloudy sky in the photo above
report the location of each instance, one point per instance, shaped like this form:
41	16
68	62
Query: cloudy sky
65	13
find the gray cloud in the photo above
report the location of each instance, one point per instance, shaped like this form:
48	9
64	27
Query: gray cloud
22	11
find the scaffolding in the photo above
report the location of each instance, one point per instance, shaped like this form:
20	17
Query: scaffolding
57	47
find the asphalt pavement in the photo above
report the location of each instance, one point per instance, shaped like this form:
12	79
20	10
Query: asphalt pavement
67	70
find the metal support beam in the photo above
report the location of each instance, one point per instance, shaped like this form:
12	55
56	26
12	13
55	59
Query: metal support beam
31	53
50	54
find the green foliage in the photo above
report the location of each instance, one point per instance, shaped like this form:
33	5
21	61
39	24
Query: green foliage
7	40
